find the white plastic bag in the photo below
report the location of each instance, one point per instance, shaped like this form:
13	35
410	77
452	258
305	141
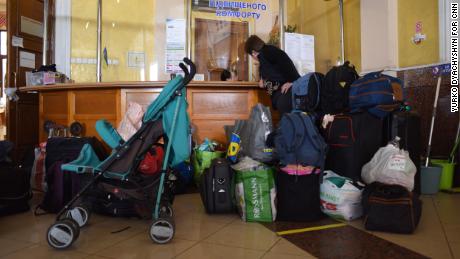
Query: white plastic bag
390	165
132	120
340	198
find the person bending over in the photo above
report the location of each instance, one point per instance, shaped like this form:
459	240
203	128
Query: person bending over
276	70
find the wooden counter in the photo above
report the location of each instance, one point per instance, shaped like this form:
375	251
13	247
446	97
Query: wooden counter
211	104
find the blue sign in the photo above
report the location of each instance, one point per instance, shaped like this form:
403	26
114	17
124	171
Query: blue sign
238	9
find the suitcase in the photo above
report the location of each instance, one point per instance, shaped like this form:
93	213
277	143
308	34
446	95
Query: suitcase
217	187
405	125
353	139
67	149
391	208
15	190
298	197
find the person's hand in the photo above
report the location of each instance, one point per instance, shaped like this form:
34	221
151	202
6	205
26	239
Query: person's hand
285	87
261	83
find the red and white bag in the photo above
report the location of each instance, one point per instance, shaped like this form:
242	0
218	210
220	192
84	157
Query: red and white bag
37	177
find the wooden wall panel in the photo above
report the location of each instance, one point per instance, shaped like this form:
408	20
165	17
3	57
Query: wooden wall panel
143	97
211	110
96	102
53	106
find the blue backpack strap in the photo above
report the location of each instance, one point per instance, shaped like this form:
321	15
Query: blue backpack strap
318	91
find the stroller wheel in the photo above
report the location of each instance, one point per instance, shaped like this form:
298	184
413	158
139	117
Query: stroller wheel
162	230
80	214
62	233
166	211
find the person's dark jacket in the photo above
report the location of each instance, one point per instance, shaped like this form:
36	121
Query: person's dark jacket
278	68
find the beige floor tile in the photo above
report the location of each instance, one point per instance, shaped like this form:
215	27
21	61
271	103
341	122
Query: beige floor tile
211	251
45	252
272	255
31	230
447	207
202	216
452	232
285	247
244	235
8	246
97	238
455	246
96	257
141	246
196	229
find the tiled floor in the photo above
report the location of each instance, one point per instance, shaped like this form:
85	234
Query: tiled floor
199	235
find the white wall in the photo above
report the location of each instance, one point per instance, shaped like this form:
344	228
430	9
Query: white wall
264	24
379	35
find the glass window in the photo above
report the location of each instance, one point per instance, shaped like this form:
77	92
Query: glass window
322	20
83	40
219	33
134	36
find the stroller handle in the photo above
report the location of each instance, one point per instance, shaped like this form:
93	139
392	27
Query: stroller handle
188	74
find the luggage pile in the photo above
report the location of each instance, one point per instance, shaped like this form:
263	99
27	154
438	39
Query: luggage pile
349	148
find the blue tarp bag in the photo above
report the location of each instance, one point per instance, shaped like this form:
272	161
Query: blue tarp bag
378	93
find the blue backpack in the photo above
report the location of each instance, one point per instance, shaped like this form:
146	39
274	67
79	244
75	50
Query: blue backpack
378	93
298	141
306	92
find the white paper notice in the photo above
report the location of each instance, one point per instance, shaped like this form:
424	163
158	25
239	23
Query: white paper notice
17	42
301	49
175	44
26	59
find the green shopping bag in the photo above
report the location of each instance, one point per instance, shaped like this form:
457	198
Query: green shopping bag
201	160
255	195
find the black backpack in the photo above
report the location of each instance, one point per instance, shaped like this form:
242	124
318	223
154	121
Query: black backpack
337	82
306	92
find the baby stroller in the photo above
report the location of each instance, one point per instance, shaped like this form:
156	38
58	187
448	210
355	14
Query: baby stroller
165	117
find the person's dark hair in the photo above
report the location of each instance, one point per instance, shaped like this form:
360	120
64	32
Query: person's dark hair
253	43
225	75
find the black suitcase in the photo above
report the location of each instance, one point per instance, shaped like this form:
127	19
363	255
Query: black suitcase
67	149
216	188
15	190
405	125
353	139
298	197
390	208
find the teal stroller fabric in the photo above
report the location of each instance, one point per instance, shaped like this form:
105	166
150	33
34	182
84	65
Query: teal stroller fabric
180	137
108	133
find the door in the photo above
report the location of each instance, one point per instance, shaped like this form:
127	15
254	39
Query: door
25	24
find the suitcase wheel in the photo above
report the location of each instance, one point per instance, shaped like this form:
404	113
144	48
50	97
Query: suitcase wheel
62	233
79	214
162	230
